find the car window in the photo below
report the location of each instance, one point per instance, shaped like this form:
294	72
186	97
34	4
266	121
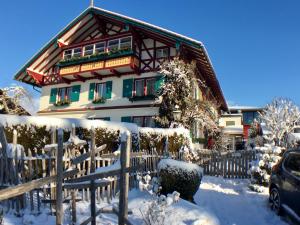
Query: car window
292	164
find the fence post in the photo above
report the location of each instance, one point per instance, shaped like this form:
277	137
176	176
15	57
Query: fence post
59	177
51	167
124	177
73	196
4	167
92	188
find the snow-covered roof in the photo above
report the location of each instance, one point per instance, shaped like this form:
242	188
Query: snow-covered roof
240	107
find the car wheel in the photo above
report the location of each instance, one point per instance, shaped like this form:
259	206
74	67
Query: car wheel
275	201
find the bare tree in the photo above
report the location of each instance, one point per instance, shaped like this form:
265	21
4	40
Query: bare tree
280	117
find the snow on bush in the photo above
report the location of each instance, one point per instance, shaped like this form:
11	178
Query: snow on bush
260	169
155	213
179	176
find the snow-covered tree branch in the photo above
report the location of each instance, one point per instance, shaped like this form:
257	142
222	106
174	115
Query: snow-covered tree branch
280	117
178	90
12	98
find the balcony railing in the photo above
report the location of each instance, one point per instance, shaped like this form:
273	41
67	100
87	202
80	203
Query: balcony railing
100	56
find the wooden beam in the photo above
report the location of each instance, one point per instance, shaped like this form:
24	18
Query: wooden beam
97	75
115	72
26	187
80	78
38	78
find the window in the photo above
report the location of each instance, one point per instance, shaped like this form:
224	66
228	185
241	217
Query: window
139	87
144	121
89	50
113	45
162	53
76	52
150	86
100	91
145	87
248	117
230	123
125	43
68	54
99	47
292	164
64	94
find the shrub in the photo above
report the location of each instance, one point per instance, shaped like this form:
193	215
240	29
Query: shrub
179	176
157	141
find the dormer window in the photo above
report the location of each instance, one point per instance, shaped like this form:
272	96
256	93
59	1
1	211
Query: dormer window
162	53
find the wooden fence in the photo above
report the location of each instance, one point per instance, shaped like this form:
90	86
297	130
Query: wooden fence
67	173
59	174
228	164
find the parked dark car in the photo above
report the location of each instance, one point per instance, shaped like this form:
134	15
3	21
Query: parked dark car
285	184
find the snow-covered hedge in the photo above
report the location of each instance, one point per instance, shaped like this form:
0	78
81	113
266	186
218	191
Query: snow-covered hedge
179	176
156	138
35	132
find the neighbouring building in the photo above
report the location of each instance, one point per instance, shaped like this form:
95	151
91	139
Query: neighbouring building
104	65
236	123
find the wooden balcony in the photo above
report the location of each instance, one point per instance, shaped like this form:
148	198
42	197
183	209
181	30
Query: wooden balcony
99	66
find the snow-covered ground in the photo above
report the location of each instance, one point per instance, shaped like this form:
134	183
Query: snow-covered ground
233	203
219	202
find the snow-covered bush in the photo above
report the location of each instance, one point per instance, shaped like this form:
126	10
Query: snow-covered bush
260	169
179	176
157	141
155	212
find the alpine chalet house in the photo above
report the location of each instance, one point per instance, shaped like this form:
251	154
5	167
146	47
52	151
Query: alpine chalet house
104	65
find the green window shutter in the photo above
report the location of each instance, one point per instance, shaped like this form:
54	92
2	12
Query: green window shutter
158	83
53	95
126	119
108	89
106	118
75	93
127	87
92	91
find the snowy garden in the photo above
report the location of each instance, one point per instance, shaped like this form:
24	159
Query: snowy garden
86	171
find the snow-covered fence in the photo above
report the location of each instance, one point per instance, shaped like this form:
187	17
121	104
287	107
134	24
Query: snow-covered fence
228	165
40	176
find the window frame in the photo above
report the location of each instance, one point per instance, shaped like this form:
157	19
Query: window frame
96	96
72	52
231	124
67	95
162	49
145	89
105	48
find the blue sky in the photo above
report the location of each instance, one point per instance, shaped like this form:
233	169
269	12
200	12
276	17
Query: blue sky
254	45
